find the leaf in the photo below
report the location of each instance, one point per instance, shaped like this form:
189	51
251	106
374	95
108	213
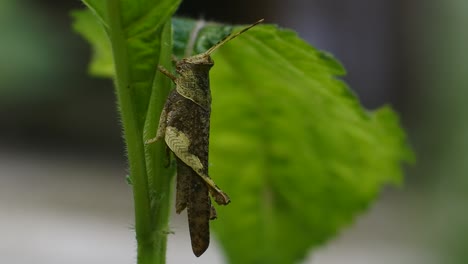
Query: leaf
293	147
101	64
205	35
143	22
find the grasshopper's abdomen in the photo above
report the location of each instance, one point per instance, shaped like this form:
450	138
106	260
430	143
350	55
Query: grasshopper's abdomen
199	214
187	134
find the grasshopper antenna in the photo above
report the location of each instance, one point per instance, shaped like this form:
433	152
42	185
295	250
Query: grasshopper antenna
230	37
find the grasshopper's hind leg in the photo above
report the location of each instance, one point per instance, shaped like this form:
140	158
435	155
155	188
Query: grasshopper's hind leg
179	143
219	196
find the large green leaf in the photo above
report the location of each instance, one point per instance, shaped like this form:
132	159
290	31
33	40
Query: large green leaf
293	147
290	143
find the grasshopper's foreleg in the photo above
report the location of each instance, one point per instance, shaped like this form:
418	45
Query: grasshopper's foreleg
161	128
167	73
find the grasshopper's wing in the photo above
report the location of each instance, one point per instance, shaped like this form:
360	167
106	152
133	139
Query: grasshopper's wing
199	214
192	193
184	174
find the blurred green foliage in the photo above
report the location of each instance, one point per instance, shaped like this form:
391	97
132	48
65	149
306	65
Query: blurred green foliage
441	61
25	54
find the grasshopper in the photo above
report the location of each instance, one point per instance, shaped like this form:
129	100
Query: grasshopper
185	126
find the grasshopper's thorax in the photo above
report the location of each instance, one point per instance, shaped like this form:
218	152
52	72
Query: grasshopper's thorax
193	82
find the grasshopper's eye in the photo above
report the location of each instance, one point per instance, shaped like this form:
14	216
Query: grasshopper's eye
207	61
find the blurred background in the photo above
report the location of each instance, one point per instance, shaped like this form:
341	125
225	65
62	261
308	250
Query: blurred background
63	196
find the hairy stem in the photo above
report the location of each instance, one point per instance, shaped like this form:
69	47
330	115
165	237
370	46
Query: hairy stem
132	135
160	177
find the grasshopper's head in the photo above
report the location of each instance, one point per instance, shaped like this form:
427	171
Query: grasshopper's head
195	64
193	82
202	59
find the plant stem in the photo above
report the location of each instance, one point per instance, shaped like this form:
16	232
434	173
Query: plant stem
132	135
160	177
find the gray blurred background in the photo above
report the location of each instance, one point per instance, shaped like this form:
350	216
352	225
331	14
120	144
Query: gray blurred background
63	196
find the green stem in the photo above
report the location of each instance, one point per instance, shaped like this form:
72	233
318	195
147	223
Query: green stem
160	177
132	134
